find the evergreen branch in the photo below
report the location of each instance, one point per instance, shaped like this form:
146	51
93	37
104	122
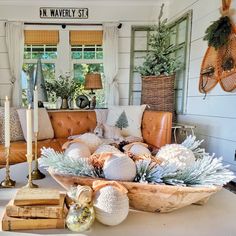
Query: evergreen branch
65	165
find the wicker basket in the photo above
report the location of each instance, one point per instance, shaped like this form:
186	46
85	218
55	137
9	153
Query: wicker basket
158	93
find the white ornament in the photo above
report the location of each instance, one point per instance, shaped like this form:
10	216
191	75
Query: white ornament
91	140
107	148
77	150
137	149
178	154
111	205
119	167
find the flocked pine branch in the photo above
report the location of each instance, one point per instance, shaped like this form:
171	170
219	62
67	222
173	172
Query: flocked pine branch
62	164
205	171
194	145
151	172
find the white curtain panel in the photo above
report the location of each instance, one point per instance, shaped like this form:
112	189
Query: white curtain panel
110	60
15	47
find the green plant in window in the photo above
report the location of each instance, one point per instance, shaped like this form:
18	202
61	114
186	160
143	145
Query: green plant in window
64	87
158	60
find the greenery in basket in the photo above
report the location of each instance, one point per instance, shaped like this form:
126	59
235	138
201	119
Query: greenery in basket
160	60
64	87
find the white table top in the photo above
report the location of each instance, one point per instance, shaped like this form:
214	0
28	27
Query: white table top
216	218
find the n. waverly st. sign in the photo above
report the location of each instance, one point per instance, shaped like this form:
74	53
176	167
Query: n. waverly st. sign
63	13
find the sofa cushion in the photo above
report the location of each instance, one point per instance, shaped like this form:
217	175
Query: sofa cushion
45	126
127	118
15	127
18	149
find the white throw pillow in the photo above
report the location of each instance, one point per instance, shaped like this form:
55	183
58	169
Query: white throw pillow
127	118
45	127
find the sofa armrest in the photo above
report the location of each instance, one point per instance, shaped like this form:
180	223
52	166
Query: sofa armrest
156	128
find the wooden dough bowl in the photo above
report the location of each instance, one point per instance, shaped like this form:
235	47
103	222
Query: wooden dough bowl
150	197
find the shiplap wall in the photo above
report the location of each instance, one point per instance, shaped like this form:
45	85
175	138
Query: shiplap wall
128	15
215	117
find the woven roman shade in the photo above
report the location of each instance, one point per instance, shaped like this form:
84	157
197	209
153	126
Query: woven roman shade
86	37
39	37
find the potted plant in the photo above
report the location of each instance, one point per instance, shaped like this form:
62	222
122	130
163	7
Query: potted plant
63	87
158	69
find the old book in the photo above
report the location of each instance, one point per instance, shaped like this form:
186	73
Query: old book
11	223
37	196
36	211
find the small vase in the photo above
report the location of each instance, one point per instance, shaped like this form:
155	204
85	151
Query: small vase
64	104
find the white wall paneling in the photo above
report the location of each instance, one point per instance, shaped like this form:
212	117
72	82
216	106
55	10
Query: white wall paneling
214	117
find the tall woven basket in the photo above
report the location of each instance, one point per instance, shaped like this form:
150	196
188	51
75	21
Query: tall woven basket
158	93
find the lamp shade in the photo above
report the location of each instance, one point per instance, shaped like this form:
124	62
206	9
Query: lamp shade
93	81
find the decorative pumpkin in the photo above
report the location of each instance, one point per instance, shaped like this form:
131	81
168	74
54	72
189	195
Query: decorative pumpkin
176	153
110	202
77	150
137	148
119	167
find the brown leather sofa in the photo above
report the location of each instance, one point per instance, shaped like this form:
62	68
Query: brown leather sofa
156	131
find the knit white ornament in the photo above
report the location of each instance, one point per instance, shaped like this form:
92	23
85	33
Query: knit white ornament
77	150
119	167
107	148
91	140
111	205
178	154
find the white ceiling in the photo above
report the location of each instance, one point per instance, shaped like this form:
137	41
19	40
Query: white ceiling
82	2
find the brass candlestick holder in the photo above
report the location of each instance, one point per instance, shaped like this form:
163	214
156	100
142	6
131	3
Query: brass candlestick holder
36	173
7	182
30	183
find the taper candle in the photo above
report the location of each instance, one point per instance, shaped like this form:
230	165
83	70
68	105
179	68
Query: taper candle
7	123
36	112
29	133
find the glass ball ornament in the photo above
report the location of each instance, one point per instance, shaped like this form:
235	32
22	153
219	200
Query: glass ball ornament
80	217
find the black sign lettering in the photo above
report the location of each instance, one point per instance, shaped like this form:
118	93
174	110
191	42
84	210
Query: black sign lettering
63	13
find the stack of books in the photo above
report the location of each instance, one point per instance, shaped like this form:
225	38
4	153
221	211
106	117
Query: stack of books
35	209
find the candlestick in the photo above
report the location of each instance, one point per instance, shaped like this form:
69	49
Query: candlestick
29	131
36	173
7	123
29	155
30	183
36	113
7	182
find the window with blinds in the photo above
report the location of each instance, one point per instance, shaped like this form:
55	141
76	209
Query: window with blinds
87	56
39	44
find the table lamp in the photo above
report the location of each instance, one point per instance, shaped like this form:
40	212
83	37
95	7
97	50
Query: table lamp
93	81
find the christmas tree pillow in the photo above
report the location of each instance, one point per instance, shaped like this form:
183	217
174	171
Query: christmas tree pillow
127	118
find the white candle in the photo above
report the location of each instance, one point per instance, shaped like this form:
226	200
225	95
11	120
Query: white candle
7	123
36	110
29	133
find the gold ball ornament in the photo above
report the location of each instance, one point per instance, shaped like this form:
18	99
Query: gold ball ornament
80	218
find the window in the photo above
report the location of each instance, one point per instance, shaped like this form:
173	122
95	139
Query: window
180	38
63	51
88	58
48	55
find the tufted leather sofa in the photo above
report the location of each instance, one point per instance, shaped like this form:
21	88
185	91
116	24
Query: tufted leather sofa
156	131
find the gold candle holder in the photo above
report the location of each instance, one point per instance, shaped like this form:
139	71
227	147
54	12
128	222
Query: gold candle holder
30	183
36	173
7	182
